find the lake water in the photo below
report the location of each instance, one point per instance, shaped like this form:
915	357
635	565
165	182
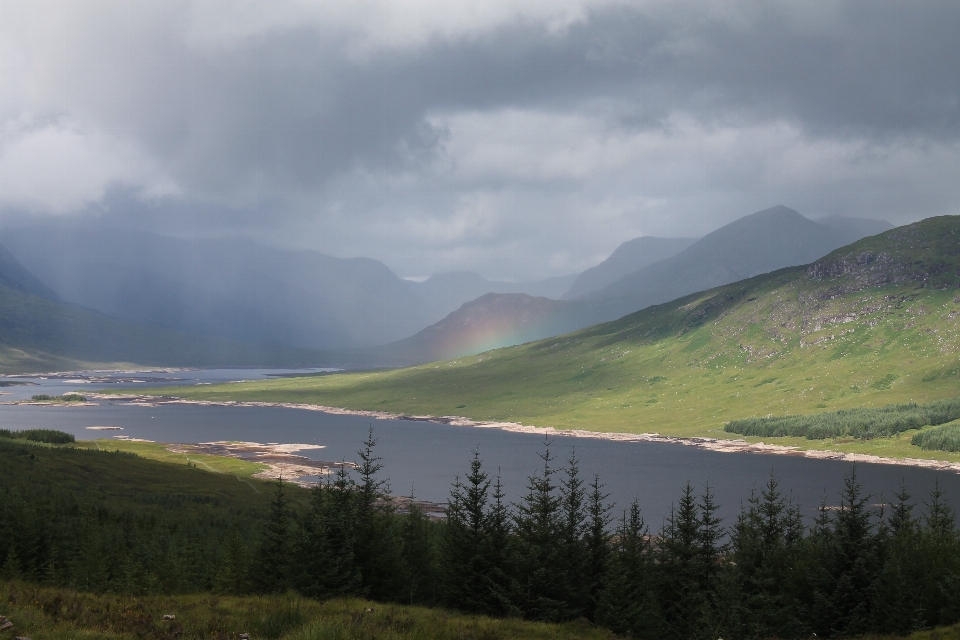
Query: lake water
425	457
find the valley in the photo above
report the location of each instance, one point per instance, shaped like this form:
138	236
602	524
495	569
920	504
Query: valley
874	323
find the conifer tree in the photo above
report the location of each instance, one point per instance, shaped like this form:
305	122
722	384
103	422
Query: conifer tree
765	545
377	546
597	543
898	595
464	547
419	556
326	557
537	525
679	555
574	589
271	570
627	603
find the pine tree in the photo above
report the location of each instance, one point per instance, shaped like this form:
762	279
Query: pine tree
325	550
271	570
537	527
464	550
678	556
419	556
574	589
766	545
627	603
377	546
897	598
597	543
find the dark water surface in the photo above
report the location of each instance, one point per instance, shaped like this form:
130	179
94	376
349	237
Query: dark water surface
426	457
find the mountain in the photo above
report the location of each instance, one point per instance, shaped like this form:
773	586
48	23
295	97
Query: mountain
14	276
228	288
445	292
873	323
491	321
850	229
629	257
758	243
39	334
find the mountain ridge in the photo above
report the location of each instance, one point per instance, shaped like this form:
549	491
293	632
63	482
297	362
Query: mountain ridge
869	324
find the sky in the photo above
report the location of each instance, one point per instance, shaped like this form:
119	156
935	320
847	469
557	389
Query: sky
520	140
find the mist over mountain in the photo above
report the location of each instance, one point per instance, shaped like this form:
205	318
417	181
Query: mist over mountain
14	276
758	243
491	321
41	334
228	288
445	292
628	257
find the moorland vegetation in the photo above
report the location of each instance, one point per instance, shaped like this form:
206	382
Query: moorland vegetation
111	523
872	324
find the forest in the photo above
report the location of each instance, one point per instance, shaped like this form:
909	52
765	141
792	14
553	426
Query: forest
560	553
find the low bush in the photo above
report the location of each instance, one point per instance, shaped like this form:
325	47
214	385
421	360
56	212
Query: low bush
944	438
50	436
864	422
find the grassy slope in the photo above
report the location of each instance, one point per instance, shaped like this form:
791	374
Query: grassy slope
242	469
37	334
873	323
51	613
55	614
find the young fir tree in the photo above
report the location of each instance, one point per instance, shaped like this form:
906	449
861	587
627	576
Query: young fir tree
939	555
849	566
765	546
689	557
377	546
419	554
465	565
597	544
897	598
271	566
627	603
325	552
537	530
574	588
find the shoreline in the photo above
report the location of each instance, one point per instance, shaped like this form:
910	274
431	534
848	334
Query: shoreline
710	444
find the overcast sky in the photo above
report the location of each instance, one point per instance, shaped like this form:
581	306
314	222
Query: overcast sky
517	139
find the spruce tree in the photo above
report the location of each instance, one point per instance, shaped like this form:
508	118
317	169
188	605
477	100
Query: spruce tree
679	555
377	546
574	589
419	556
627	603
765	547
464	546
326	561
271	570
537	527
597	543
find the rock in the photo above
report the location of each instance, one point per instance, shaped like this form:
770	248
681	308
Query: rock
169	616
21	638
244	636
6	624
370	609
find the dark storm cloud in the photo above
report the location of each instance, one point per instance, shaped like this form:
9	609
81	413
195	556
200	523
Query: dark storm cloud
540	139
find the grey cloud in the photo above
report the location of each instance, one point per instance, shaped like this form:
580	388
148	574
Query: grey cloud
286	134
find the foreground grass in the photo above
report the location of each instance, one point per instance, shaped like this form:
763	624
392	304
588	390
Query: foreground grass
157	451
61	614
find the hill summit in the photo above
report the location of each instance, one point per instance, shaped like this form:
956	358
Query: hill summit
872	323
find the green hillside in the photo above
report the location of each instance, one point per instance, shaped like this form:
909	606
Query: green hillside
39	334
870	324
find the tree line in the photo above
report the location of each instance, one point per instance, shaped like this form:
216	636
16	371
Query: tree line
561	552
